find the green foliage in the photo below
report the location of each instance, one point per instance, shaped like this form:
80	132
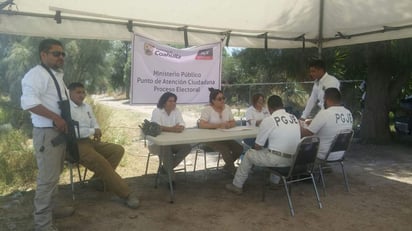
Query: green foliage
17	162
120	60
86	63
103	115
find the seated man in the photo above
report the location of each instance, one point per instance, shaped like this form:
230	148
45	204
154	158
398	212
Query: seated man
282	131
329	122
100	157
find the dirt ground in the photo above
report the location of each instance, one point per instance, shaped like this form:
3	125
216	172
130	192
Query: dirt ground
380	179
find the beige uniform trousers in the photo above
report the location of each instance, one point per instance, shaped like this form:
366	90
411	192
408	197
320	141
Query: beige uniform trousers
50	160
103	158
230	150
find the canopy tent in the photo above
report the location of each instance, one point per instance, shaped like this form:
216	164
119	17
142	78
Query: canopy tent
240	23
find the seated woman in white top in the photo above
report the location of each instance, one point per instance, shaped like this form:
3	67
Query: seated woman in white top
170	120
255	114
218	115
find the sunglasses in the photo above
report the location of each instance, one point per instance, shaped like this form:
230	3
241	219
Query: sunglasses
220	99
57	53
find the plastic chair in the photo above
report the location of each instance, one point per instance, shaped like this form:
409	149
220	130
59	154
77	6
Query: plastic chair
336	154
303	163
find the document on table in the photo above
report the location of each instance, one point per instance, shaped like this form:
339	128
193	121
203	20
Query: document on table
237	128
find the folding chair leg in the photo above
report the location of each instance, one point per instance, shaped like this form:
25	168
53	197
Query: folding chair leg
147	163
84	174
204	157
194	165
345	177
71	180
184	163
157	175
80	175
316	190
218	159
322	179
292	211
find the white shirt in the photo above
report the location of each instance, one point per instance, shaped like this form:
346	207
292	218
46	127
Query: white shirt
38	88
282	130
86	118
161	117
253	114
318	91
327	123
210	115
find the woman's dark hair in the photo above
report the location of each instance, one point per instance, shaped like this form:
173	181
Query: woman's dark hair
256	97
163	99
213	93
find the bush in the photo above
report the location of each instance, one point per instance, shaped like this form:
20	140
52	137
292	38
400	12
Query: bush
17	162
103	116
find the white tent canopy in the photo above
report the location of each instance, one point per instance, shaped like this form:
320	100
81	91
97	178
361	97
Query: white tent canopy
242	23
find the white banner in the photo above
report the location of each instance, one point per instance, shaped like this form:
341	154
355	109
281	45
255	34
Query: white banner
188	73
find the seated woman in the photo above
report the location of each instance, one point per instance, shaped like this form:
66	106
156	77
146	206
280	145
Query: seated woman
255	114
170	120
218	115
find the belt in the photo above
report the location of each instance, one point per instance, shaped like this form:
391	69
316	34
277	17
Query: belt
43	127
281	154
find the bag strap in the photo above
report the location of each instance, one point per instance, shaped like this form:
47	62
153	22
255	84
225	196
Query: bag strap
55	82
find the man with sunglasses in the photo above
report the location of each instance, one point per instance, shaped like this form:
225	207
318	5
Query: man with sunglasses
40	97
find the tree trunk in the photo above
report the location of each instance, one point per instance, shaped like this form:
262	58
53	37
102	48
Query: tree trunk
375	119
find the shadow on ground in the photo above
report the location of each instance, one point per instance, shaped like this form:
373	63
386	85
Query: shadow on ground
380	178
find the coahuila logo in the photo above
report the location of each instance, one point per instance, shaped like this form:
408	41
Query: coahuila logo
150	49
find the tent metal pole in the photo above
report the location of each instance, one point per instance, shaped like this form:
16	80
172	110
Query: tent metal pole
186	37
320	34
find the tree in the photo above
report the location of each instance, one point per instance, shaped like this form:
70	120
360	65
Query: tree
389	71
86	62
120	66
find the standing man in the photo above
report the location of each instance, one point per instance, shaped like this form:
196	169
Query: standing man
282	132
323	81
100	157
329	122
40	97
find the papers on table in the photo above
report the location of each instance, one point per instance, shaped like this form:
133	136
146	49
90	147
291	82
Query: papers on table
237	128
